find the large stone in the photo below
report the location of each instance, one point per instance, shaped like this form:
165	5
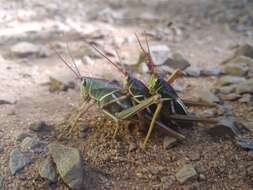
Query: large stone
227	80
24	49
17	161
226	89
47	170
186	173
245	87
242	60
30	143
193	71
245	50
22	135
1	181
39	126
211	71
227	127
177	62
160	53
230	97
169	142
236	69
69	163
207	96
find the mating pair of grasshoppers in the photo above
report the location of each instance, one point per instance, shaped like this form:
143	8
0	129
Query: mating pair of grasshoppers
156	102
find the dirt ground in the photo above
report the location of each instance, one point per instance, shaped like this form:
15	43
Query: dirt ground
199	34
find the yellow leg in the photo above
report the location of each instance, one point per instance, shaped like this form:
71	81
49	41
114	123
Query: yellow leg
157	111
116	131
174	75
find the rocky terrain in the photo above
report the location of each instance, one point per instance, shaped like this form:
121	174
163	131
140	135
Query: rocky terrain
210	41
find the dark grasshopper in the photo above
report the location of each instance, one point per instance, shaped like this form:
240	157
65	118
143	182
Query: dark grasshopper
116	103
174	110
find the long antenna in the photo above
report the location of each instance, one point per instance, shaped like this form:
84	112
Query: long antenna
65	62
147	55
73	61
150	60
109	60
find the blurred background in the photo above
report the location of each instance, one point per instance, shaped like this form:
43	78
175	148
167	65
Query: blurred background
196	36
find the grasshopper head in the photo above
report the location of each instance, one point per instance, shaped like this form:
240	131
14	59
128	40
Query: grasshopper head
152	84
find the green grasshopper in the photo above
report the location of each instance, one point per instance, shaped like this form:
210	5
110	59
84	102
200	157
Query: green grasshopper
116	103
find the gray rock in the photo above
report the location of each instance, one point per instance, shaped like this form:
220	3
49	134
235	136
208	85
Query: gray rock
245	50
2	102
38	126
226	127
236	69
245	87
249	125
242	60
177	62
160	53
17	161
1	181
193	71
246	98
250	73
1	150
226	89
207	96
226	109
169	142
22	135
211	71
186	173
30	143
8	100
69	163
47	170
24	49
230	97
227	80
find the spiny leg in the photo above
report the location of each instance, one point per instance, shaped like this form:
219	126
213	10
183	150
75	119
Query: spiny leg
157	111
84	107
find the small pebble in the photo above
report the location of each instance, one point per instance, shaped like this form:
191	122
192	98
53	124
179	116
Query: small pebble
83	127
202	177
132	147
38	126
